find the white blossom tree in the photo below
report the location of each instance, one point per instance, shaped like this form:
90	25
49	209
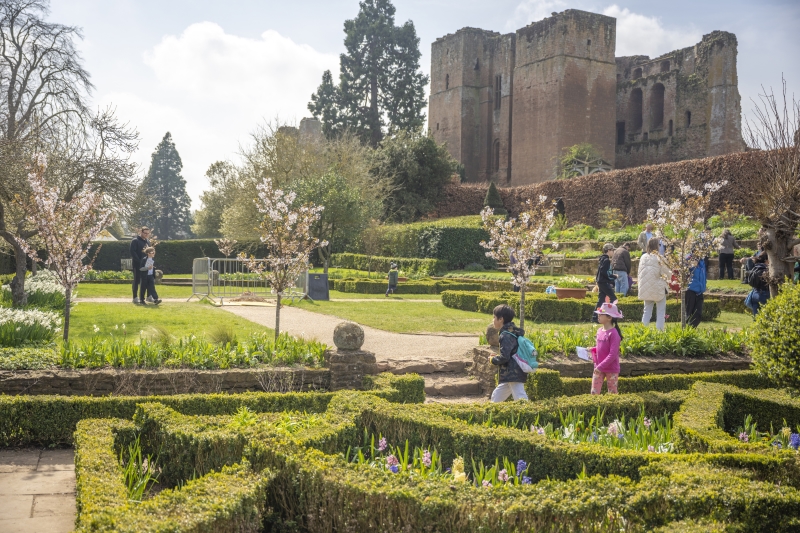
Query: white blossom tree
286	229
65	227
681	225
226	246
519	241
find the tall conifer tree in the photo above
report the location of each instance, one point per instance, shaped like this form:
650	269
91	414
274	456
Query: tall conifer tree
163	203
380	86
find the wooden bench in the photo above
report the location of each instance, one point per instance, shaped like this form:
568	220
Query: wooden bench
555	262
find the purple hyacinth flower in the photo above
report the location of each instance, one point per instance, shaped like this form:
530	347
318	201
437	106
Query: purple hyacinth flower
521	466
744	437
426	459
382	445
394	468
526	480
794	441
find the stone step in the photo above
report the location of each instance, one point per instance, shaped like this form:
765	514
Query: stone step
173	282
451	384
409	366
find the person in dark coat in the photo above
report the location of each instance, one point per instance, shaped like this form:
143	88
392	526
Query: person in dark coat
138	244
605	278
512	378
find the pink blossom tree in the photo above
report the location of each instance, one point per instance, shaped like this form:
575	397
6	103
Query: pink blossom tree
681	225
286	230
66	228
519	241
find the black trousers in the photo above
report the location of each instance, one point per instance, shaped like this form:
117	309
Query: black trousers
694	307
725	262
604	289
149	283
139	278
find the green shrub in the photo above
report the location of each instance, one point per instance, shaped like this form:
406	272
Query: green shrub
776	337
28	358
423	267
578	232
106	275
367	286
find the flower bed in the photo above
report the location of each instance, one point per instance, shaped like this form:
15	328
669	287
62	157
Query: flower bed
305	474
21	326
43	292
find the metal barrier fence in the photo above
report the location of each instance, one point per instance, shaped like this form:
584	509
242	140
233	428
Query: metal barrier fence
217	279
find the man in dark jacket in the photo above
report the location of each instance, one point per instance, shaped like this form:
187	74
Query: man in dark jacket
621	267
512	378
757	278
138	244
605	278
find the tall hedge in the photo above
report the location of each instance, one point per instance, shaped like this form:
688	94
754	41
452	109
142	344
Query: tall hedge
425	267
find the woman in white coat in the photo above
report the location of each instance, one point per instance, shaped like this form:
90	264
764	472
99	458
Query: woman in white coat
652	284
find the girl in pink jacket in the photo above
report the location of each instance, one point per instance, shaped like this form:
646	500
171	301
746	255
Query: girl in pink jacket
606	354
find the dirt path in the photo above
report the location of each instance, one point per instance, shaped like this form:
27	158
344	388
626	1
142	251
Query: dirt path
388	347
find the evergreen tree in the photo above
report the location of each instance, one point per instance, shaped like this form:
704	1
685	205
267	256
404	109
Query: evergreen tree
380	86
494	200
163	203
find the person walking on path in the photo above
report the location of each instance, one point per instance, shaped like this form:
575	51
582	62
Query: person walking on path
605	354
695	293
652	282
148	269
605	278
757	278
512	378
138	244
621	266
393	275
645	236
727	244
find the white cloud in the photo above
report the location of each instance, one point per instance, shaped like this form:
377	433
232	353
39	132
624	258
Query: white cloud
642	35
212	89
533	10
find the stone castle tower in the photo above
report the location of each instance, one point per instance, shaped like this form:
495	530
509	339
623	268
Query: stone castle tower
507	105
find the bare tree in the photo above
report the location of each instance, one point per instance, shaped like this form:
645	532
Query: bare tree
43	109
776	192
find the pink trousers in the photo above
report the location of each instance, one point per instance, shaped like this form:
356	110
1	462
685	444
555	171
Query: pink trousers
597	382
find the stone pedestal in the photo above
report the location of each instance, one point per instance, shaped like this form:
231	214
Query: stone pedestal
492	336
482	368
349	364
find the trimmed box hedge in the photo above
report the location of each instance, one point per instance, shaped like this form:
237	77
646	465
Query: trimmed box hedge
548	308
424	267
367	286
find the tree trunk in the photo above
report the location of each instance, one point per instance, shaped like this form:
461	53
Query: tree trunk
777	247
375	125
278	317
19	298
522	306
66	315
683	308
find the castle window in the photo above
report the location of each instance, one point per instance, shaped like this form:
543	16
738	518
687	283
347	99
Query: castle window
644	136
619	76
588	42
637	73
498	83
635	110
665	66
496	155
688	118
446	81
437	125
620	133
670	128
657	106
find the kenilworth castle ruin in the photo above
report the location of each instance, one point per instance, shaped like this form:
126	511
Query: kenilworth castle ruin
507	105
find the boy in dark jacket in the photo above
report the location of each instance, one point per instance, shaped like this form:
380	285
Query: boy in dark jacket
512	378
605	278
148	270
695	293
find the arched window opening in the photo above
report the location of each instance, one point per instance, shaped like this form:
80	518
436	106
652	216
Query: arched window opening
670	128
635	110
688	118
446	81
657	106
637	73
496	155
620	133
665	66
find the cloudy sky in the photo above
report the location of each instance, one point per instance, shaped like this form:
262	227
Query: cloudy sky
210	71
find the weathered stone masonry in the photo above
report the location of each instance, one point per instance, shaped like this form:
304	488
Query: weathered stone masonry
506	105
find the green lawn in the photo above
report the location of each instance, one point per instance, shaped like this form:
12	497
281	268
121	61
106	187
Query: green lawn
334	295
180	319
727	286
123	290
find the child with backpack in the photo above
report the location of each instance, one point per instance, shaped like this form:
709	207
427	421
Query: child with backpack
605	354
759	294
517	356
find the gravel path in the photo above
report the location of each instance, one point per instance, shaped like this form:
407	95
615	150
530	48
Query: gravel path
387	347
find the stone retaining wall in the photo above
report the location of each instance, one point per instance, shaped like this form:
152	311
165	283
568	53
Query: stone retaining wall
485	372
148	382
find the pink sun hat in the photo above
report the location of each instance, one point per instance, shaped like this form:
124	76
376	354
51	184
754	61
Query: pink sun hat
610	310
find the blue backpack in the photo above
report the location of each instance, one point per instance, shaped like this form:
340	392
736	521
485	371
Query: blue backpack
526	354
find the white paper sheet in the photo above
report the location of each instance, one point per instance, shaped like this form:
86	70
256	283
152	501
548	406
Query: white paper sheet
583	353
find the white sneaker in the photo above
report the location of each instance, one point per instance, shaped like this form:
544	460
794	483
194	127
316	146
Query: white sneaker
150	299
136	300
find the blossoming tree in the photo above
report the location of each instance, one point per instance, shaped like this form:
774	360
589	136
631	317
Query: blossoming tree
66	227
286	230
226	246
519	241
681	225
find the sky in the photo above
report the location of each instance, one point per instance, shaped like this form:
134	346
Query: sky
210	72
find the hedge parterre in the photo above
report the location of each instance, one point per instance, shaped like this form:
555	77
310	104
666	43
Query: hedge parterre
284	464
